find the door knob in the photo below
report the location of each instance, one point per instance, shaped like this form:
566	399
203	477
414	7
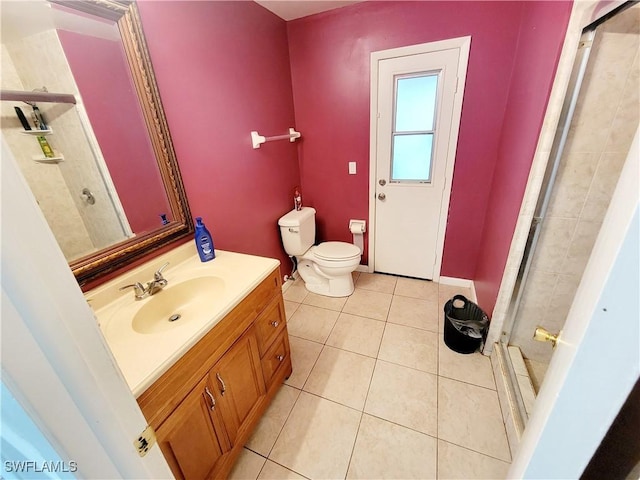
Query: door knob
381	196
543	335
382	182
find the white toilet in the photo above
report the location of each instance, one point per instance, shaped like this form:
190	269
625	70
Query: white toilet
326	268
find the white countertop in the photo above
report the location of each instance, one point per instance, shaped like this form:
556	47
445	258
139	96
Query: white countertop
144	357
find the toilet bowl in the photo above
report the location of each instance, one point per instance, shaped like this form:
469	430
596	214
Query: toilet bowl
325	268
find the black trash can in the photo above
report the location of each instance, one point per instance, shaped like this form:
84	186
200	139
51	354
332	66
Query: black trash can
465	325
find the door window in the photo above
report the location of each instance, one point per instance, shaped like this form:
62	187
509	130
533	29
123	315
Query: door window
414	124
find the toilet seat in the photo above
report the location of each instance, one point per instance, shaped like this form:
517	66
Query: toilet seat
336	252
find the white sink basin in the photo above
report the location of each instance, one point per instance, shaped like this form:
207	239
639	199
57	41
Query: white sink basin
141	334
178	304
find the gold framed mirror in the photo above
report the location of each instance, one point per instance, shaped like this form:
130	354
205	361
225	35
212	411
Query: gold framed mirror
137	243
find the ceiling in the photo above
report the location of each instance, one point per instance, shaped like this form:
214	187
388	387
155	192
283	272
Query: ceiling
24	18
292	9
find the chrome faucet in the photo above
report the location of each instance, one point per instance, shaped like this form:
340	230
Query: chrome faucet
158	283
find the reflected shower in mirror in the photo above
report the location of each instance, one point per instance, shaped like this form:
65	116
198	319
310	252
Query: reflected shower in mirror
102	186
99	159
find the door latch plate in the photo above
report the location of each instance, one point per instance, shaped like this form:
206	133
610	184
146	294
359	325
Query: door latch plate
145	441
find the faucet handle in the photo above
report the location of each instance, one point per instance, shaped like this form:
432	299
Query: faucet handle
138	289
158	275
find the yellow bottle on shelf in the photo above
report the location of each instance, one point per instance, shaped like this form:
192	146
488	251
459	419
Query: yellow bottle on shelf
46	148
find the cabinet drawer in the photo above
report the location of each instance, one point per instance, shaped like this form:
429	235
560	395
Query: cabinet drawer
270	324
276	357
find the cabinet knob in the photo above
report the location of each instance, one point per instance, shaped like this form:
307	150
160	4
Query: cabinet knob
275	323
213	400
280	357
223	387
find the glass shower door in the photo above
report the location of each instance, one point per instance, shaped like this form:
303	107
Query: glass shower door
597	123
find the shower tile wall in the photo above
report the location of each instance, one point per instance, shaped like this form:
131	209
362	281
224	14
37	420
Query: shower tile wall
80	228
601	132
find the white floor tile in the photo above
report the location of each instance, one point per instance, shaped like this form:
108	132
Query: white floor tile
410	347
248	466
470	416
405	396
414	312
386	450
312	323
470	368
357	334
456	462
273	471
318	438
322	301
290	308
384	356
304	354
341	376
296	293
368	304
411	287
272	421
377	282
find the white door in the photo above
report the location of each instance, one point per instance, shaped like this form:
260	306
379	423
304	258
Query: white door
415	137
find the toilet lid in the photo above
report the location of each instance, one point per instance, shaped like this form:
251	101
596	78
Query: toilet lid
336	251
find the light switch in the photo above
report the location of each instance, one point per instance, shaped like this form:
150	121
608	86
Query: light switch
352	168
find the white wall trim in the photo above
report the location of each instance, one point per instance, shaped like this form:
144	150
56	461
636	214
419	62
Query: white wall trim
460	282
462	43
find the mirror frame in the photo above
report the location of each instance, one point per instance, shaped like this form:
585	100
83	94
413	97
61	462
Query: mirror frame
91	267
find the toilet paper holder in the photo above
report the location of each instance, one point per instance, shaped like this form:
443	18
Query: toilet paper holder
357	226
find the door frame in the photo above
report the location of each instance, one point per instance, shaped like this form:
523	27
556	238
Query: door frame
464	45
71	387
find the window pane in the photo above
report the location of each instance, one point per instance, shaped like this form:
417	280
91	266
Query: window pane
412	157
416	103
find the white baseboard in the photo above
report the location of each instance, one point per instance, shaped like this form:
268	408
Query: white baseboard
460	282
363	268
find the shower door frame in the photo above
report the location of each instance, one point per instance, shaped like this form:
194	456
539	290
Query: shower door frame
585	19
542	204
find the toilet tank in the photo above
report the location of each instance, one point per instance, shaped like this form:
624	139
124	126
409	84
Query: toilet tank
298	230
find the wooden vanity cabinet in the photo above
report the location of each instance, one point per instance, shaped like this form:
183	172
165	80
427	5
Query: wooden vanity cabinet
239	384
192	438
205	407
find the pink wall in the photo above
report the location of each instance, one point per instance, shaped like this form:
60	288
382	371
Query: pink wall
223	71
330	65
539	45
101	72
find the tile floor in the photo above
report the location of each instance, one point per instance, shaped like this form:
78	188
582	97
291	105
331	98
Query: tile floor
375	392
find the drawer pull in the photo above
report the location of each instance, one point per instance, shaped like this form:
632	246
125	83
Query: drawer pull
213	400
223	387
275	324
280	357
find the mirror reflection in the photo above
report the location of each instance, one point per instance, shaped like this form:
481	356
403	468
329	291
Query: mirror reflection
90	165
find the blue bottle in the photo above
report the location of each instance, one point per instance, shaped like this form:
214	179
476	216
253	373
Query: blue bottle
204	242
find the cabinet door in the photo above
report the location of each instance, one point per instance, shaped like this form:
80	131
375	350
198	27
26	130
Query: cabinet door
239	381
191	438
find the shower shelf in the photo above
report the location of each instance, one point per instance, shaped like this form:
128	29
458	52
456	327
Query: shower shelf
54	160
38	133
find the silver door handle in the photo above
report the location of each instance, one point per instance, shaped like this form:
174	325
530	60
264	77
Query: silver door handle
213	400
381	196
223	387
